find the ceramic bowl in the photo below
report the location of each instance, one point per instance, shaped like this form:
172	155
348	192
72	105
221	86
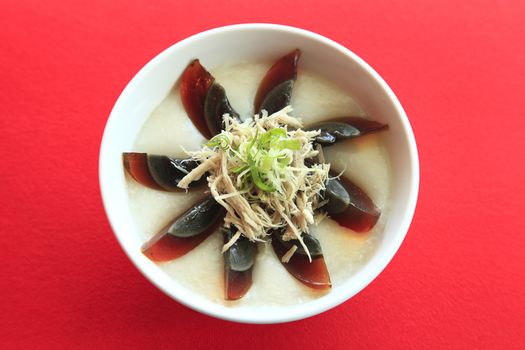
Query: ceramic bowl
256	42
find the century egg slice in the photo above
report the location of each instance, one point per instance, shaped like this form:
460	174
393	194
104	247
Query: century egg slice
185	232
313	274
349	205
345	128
238	265
159	172
275	90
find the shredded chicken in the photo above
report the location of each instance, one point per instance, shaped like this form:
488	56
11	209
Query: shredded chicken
197	173
282	117
288	255
257	172
231	241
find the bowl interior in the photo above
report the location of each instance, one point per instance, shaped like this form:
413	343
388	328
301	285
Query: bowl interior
258	42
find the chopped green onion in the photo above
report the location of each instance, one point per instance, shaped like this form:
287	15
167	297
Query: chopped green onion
272	135
222	141
240	169
293	144
266	163
257	180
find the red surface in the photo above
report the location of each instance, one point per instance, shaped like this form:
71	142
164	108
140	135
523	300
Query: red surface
458	68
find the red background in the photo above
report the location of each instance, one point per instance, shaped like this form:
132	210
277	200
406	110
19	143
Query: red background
458	68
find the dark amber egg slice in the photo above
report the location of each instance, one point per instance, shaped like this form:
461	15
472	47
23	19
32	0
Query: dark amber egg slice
345	128
285	69
313	274
136	164
215	106
194	85
159	172
238	265
350	206
185	232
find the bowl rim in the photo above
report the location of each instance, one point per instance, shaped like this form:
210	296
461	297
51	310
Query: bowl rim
290	313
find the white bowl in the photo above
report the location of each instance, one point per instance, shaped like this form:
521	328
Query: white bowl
255	42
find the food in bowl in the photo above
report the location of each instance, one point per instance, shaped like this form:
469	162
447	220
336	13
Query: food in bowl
268	180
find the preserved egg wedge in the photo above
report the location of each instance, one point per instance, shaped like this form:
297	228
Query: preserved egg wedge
275	90
239	259
314	273
204	100
345	128
194	85
159	172
349	205
185	232
216	105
